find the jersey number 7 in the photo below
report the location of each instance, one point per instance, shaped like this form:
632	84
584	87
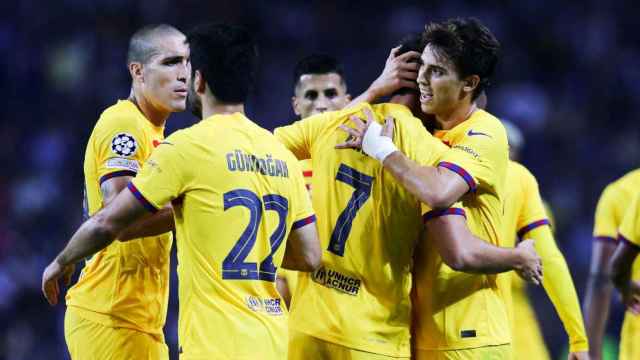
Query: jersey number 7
361	184
234	267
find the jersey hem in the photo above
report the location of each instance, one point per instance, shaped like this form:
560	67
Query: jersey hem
363	347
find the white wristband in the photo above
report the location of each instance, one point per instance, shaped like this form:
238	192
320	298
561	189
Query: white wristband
376	145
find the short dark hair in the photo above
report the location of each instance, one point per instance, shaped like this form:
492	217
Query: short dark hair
411	42
468	44
141	46
226	56
317	64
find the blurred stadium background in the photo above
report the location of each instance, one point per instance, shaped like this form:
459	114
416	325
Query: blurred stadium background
568	77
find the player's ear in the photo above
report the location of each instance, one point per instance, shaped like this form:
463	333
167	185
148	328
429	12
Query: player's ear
198	82
294	105
470	83
135	69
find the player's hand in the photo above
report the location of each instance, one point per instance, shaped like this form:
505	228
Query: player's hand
631	297
580	355
374	139
50	276
530	268
399	72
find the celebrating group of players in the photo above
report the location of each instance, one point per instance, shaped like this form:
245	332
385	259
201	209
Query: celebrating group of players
397	221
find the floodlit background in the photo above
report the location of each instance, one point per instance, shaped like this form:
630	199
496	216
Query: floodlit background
569	77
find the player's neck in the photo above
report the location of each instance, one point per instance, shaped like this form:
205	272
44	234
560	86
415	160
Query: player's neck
456	116
157	117
216	108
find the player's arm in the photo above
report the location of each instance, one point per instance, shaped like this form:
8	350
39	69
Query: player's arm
94	235
303	251
150	225
462	251
621	263
399	72
597	298
560	287
439	187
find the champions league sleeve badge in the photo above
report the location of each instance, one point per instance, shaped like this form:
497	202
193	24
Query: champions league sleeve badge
124	144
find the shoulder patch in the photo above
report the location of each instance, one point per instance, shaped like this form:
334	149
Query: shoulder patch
124	144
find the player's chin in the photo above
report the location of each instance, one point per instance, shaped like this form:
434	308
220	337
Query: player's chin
179	105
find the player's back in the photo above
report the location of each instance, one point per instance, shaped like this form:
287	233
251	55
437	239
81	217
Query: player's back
368	225
242	192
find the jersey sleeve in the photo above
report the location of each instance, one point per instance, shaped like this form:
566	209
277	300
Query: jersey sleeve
533	213
299	136
162	178
428	213
302	209
560	288
606	220
119	146
476	156
630	226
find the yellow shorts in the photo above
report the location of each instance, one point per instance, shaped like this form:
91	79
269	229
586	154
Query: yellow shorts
305	347
630	338
500	352
90	340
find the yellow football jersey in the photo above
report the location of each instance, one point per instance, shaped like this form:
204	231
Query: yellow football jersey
456	310
368	226
630	226
307	172
127	283
526	217
612	206
237	193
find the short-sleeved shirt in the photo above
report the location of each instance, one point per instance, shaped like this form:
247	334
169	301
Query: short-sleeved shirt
456	310
127	283
237	194
368	226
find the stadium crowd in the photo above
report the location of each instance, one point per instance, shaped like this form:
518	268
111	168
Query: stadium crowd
566	77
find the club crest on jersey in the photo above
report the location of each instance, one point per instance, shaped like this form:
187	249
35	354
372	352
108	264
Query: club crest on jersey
124	144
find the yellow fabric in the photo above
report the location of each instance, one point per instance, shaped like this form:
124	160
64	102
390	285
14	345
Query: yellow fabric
291	277
528	342
90	340
360	297
127	283
305	347
456	310
630	338
307	172
526	217
499	352
630	226
612	207
236	193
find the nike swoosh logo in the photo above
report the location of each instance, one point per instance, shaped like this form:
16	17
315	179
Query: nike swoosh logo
473	133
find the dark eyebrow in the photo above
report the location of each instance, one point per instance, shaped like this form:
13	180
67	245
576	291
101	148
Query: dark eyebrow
172	59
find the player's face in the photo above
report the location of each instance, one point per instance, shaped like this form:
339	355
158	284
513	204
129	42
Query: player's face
317	93
193	100
167	73
440	85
